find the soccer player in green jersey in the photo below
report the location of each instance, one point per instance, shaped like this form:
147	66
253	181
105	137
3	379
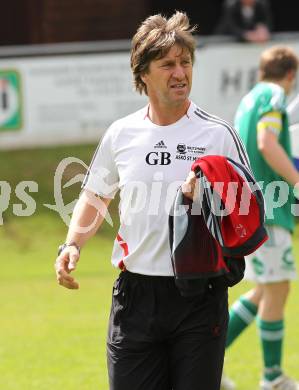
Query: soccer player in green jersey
262	122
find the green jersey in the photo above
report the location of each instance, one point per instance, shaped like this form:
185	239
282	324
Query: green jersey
267	98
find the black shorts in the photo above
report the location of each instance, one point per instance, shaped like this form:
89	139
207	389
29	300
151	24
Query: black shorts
160	340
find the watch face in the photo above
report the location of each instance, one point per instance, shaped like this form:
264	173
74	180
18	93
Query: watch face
62	246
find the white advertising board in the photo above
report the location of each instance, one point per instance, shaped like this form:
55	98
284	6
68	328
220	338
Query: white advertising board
74	98
63	99
225	73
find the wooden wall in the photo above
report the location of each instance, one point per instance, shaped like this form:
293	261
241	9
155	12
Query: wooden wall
49	21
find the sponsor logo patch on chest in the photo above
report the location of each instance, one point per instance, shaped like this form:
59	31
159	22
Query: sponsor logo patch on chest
188	152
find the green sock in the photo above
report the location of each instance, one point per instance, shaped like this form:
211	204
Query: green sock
271	335
241	314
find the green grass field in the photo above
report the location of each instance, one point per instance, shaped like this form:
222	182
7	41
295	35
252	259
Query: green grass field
53	338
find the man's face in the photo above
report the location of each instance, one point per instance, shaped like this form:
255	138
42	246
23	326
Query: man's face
169	79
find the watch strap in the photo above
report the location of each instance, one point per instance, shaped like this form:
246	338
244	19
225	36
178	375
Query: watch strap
63	246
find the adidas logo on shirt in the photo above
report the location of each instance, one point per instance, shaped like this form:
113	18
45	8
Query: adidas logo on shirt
160	145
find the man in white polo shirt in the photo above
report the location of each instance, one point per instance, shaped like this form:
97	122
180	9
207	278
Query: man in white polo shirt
157	339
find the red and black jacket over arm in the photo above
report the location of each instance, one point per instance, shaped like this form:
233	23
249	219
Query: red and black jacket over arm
210	236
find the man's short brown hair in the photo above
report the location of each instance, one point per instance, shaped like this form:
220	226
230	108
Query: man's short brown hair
276	62
154	38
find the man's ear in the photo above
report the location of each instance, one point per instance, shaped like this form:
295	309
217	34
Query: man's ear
143	77
291	75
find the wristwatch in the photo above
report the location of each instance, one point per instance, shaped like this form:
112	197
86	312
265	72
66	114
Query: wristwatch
63	246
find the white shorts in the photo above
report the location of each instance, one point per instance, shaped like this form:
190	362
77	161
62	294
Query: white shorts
274	260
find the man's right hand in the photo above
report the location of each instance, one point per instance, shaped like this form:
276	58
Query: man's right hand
66	263
189	186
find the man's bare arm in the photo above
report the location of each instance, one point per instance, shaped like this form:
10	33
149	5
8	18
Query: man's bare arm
276	157
88	215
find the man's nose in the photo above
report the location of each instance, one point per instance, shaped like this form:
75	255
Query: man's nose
178	72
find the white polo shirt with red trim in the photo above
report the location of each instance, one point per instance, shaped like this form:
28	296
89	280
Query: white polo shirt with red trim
147	163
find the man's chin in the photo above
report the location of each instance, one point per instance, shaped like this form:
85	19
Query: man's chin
179	99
